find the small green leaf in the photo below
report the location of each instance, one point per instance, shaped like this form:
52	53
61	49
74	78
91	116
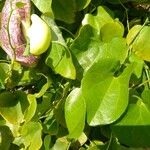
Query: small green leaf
140	42
45	104
13	106
111	30
31	135
61	143
86	46
45	87
133	33
103	16
4	73
30	112
75	110
47	142
138	69
60	60
50	125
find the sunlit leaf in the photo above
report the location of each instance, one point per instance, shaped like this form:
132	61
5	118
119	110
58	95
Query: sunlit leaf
111	30
13	106
60	60
31	135
103	16
61	143
140	45
106	96
134	124
75	108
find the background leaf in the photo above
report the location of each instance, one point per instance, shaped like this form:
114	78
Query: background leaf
75	108
65	10
44	6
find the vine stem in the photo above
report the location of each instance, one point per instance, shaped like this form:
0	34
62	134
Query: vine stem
13	49
110	140
146	68
126	12
147	81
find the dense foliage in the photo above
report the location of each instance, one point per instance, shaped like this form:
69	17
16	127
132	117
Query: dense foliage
90	89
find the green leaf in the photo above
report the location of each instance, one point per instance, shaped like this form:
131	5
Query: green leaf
44	6
45	87
47	141
87	48
111	30
13	106
22	76
138	69
65	10
75	111
61	143
116	49
30	111
106	96
59	57
60	60
4	73
133	33
50	125
103	16
6	138
146	97
31	135
134	124
141	41
45	104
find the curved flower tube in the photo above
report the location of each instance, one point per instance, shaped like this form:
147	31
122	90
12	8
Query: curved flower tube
11	36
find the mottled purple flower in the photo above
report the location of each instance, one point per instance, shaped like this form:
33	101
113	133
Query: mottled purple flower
11	36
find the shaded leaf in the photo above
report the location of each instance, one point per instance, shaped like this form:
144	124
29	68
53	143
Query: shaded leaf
6	138
65	10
